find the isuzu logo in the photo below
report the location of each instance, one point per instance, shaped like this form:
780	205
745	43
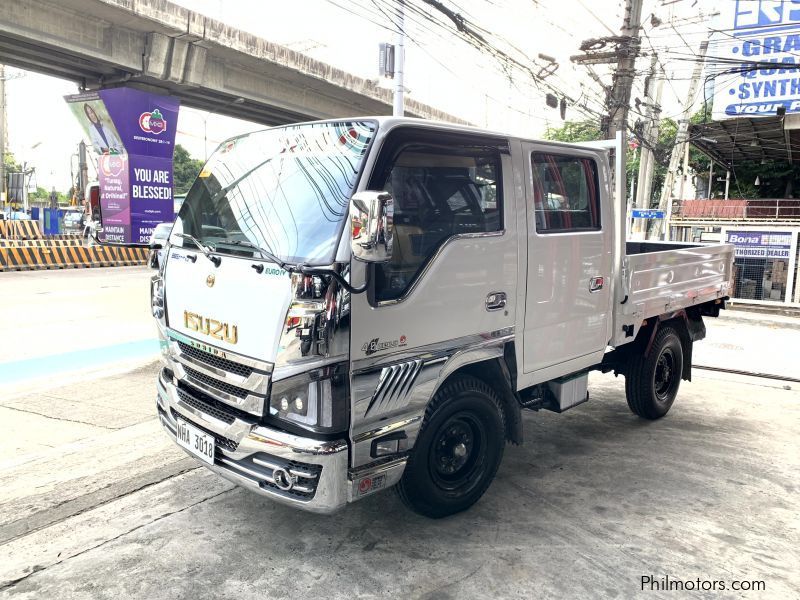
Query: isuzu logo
210	280
211	327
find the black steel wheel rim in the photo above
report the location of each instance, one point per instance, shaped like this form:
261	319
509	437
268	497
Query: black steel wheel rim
665	375
457	456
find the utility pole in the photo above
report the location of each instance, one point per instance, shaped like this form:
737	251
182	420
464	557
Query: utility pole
620	97
681	148
649	141
400	58
83	175
2	135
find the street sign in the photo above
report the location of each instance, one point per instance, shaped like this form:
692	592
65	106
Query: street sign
641	213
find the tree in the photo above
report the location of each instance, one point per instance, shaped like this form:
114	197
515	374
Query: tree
10	163
184	170
575	131
587	131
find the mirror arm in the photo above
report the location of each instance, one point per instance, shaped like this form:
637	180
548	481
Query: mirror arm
340	280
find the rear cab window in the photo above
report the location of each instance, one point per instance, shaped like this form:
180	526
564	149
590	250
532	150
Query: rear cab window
566	193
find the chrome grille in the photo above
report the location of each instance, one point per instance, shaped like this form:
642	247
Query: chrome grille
393	386
216	361
216	383
211	408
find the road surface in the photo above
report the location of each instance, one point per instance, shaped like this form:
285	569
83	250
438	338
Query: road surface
97	502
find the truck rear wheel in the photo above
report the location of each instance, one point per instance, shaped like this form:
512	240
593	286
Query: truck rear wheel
652	382
458	450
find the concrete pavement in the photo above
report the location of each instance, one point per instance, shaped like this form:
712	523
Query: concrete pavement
96	501
594	500
751	342
63	324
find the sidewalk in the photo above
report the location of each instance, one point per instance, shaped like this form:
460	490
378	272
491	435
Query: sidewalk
753	342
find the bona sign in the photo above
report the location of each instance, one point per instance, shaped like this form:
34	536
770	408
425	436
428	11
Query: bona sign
764	31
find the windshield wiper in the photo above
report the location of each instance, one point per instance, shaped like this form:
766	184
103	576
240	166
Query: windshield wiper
224	191
282	264
203	248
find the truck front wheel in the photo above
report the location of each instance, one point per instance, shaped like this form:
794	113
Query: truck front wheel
652	381
458	450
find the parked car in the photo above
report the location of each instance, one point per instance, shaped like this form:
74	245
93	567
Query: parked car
159	236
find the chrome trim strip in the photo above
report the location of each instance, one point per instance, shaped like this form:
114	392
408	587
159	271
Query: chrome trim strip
235	431
256	382
380	431
249	404
294	470
432	259
223	353
434	353
284	372
394	383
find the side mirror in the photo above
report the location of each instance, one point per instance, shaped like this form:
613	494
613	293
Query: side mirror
156	246
372	226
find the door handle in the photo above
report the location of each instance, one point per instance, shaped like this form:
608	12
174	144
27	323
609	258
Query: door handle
495	300
596	284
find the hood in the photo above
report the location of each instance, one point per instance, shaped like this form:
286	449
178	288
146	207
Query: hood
232	306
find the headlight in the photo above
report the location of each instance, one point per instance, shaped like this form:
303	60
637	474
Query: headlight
157	297
317	400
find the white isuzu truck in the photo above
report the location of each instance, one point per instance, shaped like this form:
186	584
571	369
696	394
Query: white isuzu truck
347	306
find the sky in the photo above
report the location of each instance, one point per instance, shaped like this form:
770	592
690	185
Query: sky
441	69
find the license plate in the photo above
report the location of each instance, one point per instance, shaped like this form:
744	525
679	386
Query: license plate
195	440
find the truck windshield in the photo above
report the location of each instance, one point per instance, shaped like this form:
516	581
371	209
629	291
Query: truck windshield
284	189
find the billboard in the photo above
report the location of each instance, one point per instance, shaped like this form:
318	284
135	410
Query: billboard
766	32
133	133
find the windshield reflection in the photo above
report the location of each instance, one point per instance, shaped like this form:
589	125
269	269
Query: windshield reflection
285	189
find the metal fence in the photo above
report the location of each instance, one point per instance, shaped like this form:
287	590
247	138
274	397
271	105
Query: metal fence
764	210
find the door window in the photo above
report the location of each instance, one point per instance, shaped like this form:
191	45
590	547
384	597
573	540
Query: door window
438	193
565	193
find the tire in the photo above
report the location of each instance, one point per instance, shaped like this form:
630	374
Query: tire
458	449
652	382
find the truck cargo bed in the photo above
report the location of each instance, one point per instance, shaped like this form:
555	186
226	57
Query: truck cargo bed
661	277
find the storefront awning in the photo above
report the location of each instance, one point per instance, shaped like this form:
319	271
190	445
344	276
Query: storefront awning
733	141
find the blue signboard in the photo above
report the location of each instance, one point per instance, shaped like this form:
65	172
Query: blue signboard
641	213
758	60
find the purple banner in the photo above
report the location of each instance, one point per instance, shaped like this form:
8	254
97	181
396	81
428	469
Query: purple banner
151	194
115	196
146	122
134	134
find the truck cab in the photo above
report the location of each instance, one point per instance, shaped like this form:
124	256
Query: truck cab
347	306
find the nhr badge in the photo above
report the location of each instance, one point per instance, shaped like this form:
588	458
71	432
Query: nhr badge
210	280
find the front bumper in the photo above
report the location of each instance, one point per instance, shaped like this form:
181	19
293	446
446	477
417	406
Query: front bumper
262	459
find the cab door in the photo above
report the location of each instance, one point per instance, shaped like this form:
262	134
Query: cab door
569	242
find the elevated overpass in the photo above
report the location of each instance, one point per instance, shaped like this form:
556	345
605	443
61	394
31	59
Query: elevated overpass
159	46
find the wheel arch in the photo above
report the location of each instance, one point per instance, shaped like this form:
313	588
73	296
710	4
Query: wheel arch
688	324
497	369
